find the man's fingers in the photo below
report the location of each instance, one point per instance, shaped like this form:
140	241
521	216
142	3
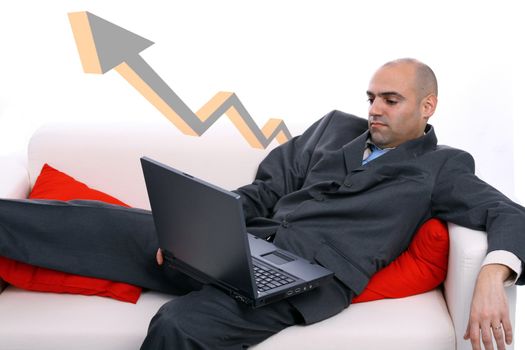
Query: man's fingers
473	334
466	336
500	331
486	336
507	329
160	258
497	331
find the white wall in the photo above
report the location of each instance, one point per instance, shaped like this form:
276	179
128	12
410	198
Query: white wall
295	60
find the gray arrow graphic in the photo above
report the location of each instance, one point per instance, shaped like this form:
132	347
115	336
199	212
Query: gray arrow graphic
104	46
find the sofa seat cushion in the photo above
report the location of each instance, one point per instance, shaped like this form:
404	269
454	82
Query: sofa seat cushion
413	323
53	322
47	321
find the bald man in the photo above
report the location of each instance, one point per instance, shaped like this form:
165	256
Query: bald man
407	92
339	194
349	194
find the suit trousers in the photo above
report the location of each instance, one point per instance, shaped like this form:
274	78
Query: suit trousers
210	319
107	241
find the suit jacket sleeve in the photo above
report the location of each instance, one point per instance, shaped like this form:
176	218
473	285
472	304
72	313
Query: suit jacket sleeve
464	199
281	172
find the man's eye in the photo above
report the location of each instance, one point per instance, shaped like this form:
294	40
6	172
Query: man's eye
370	101
391	102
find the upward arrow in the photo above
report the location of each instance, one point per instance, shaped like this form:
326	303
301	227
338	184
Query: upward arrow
104	46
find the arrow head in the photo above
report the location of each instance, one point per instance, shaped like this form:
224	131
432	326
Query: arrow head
103	45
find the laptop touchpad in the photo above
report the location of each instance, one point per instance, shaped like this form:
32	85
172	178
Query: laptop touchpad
277	258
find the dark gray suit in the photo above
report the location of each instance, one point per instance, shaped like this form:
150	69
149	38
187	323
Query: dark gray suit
313	196
321	203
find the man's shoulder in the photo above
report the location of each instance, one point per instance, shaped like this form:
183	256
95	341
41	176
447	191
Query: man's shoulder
340	117
452	157
334	129
340	122
450	151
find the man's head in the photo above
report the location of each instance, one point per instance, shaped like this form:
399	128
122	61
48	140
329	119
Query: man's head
402	96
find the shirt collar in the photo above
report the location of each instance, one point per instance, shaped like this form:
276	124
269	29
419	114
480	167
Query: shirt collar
369	143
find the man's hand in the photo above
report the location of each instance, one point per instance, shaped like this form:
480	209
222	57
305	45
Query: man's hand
160	258
489	311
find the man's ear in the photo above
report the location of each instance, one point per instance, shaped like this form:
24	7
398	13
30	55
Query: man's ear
428	106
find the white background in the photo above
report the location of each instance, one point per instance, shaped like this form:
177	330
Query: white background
295	60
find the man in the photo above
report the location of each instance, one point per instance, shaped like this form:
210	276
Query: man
349	194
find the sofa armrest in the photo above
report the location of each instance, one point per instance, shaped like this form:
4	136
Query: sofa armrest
14	177
468	248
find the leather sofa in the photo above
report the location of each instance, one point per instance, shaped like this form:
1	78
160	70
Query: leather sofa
106	157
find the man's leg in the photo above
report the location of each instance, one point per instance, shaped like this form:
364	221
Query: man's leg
210	319
87	238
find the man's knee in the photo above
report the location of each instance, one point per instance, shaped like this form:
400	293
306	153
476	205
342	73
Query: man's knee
210	319
174	317
175	326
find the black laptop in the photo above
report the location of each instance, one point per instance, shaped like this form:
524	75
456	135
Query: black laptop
202	233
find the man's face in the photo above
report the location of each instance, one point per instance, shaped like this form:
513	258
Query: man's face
396	113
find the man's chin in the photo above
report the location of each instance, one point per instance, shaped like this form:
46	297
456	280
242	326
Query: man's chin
377	139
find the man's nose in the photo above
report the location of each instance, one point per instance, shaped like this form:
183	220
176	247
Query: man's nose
374	109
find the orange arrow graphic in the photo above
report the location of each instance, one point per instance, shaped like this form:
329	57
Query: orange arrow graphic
103	46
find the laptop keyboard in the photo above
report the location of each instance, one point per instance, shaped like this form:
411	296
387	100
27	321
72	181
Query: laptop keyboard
267	278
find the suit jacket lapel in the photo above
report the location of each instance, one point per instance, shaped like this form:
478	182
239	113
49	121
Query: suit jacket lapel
354	150
353	153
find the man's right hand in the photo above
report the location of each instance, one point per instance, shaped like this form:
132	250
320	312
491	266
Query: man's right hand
160	258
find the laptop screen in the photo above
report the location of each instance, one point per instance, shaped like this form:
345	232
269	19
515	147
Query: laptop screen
200	225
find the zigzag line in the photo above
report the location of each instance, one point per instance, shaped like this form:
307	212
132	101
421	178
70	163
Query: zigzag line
195	124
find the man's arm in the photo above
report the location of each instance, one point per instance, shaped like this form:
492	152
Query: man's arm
281	172
460	197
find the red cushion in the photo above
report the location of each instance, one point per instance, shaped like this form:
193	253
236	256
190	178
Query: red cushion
53	184
422	267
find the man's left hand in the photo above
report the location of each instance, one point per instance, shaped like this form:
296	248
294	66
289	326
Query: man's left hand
489	311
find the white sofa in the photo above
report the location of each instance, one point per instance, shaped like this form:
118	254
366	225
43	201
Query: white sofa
106	157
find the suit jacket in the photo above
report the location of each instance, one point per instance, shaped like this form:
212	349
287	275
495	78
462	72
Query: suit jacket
314	195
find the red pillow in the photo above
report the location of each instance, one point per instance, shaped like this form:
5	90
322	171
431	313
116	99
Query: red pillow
53	184
422	267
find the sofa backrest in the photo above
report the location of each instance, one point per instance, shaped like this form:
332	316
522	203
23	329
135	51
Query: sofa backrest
105	156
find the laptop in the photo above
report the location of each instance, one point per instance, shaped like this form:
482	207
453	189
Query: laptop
202	233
